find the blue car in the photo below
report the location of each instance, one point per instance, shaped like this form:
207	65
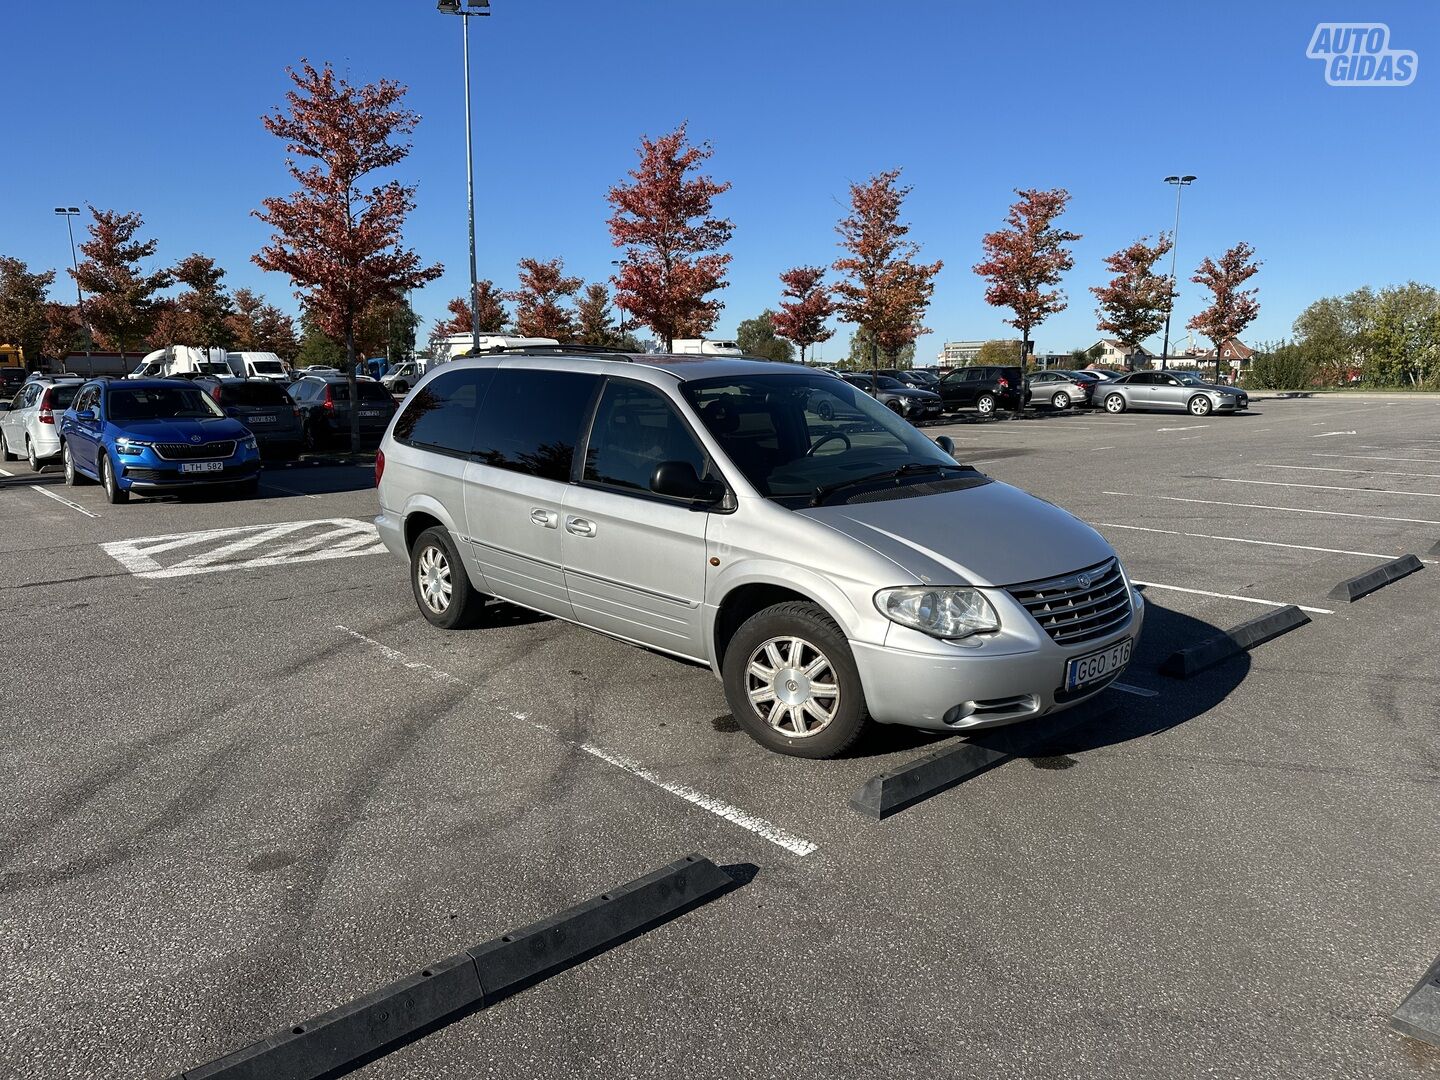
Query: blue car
154	435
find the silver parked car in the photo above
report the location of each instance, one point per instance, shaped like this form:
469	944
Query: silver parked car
1059	389
828	562
28	427
1178	391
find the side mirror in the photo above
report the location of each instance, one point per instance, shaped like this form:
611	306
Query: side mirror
86	416
677	480
944	442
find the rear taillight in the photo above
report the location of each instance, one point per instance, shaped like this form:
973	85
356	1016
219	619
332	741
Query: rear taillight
47	411
1003	383
329	401
296	411
217	392
379	466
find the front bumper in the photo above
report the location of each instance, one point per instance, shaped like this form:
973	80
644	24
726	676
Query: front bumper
148	471
966	688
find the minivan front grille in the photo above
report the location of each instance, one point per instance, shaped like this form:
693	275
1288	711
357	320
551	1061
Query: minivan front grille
179	451
1078	607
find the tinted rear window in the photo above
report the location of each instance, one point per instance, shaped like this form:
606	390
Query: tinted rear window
530	421
254	394
442	414
369	391
60	397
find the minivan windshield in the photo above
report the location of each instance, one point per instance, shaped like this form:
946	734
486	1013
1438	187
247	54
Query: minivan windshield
795	435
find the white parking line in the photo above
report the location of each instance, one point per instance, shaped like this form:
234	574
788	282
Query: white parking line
287	491
1228	596
1263	506
58	498
1327	434
1192	427
1372	457
1330	487
1138	691
1102	448
1367	472
759	826
1262	543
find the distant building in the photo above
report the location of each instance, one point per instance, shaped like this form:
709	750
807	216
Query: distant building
1113	353
955	353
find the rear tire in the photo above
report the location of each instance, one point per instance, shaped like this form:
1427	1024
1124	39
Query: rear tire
1061	400
5	454
73	476
894	406
985	404
35	465
402	387
1114	403
435	567
802	635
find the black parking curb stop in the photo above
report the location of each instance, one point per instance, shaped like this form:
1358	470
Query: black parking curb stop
416	1004
891	792
1186	662
1354	588
1419	1014
1436	549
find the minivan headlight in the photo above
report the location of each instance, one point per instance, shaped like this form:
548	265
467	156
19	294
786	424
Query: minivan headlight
941	612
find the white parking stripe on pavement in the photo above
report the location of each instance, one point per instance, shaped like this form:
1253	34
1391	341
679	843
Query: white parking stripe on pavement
247	547
1330	487
1263	506
1372	457
1138	691
51	495
1367	472
1262	543
768	830
1228	596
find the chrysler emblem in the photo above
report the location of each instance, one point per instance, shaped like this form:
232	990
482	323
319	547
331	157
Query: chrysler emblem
1083	580
194	438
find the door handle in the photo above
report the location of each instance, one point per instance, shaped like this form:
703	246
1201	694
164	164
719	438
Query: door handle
579	526
547	519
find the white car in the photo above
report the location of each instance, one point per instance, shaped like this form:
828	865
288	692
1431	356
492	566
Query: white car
28	423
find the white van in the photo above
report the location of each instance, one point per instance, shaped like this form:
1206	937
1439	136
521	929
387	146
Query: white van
456	345
260	365
706	347
182	360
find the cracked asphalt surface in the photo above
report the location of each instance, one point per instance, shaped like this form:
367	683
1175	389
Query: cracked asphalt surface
237	798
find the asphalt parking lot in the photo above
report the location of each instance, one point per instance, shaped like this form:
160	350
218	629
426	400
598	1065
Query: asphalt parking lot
247	782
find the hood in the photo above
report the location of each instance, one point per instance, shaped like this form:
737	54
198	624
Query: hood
990	535
1220	389
912	392
210	429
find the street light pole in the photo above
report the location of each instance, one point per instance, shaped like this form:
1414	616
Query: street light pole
616	262
69	213
1180	182
452	7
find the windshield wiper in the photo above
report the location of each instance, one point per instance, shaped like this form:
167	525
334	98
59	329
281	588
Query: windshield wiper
914	468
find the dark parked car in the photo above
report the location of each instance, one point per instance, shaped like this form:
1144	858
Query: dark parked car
984	389
264	407
324	404
909	402
916	377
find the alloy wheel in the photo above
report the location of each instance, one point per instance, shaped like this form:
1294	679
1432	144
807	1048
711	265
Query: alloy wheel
792	686
432	572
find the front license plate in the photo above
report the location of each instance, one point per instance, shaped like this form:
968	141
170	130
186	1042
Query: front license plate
260	420
1097	665
367	413
202	466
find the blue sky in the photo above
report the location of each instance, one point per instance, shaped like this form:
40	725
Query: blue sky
155	107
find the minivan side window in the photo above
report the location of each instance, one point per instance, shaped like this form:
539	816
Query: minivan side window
531	419
442	414
636	429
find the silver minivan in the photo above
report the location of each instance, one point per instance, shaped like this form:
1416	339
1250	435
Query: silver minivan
825	559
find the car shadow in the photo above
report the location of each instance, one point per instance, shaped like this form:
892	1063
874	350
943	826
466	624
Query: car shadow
48	477
1112	716
284	480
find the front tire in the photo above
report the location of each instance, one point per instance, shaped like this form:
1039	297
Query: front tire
1200	405
401	387
792	684
1114	403
441	585
985	404
114	493
5	454
1061	400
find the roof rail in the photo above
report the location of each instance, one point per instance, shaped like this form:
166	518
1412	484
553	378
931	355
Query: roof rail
604	352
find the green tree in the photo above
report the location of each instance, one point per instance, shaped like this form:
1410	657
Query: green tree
999	352
23	317
1403	340
1332	332
859	356
1281	365
122	302
756	337
317	348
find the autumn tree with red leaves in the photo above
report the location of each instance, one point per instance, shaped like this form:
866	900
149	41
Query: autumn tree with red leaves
1233	308
24	320
805	304
340	244
539	311
122	301
259	326
663	219
885	292
201	314
1023	262
1134	303
493	315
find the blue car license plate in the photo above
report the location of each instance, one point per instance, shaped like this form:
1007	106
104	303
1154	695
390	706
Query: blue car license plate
202	466
1097	665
